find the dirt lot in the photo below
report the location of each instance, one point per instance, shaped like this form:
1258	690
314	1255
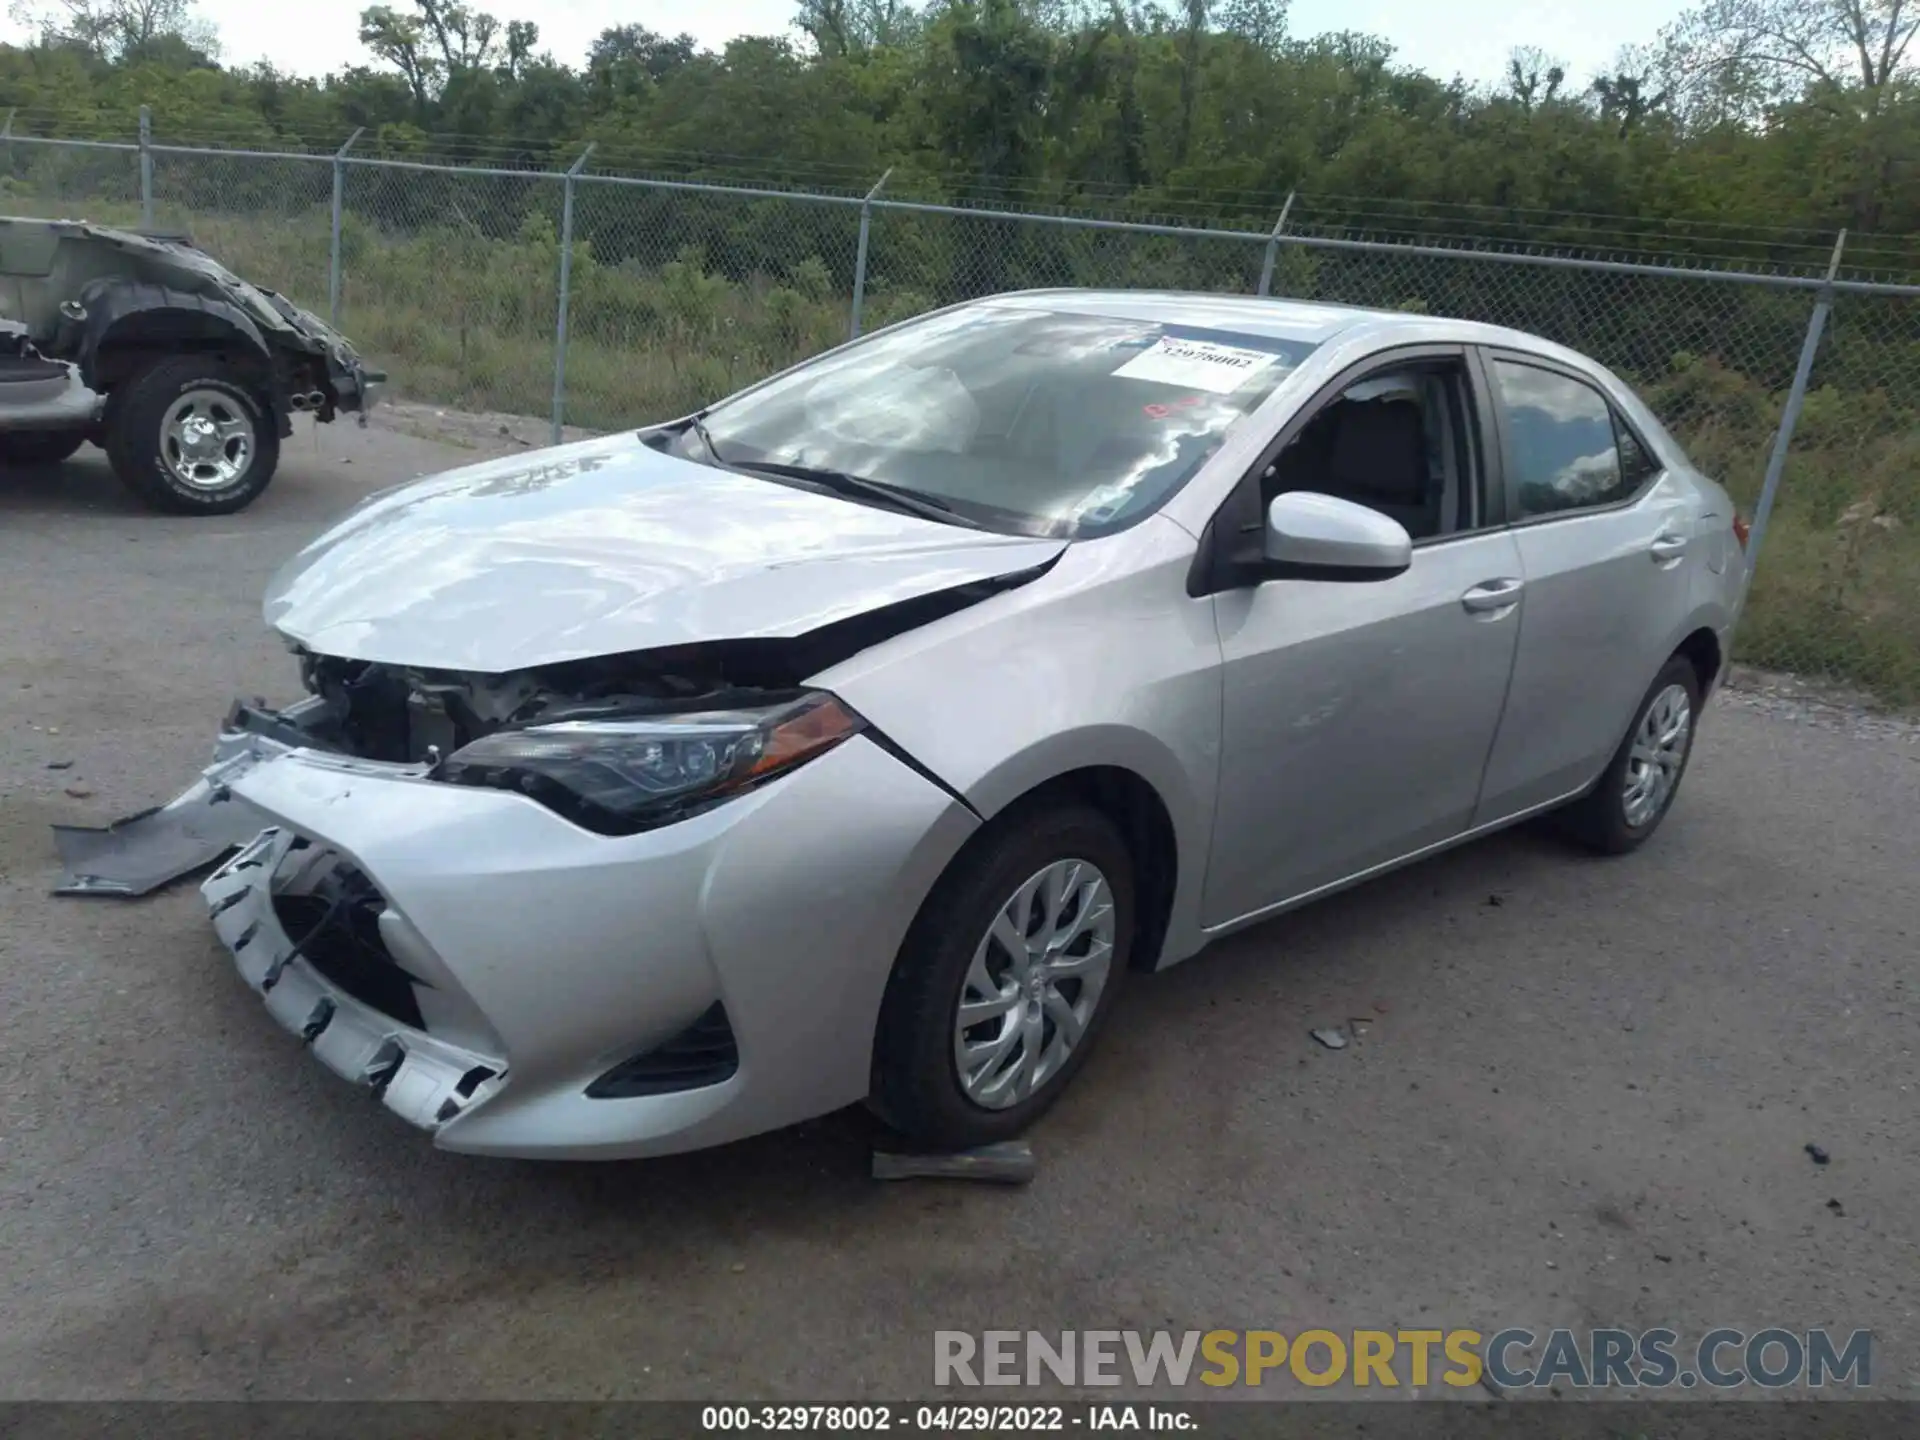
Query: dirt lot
1583	1098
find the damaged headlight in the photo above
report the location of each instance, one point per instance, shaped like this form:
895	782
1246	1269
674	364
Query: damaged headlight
620	775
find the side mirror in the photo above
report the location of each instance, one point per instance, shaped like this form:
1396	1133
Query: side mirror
1321	537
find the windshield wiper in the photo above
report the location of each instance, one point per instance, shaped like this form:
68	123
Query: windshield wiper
858	487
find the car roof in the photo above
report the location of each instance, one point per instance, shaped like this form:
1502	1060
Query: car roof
1311	321
1251	315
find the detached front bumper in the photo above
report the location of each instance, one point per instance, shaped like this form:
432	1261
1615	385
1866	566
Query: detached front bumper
527	958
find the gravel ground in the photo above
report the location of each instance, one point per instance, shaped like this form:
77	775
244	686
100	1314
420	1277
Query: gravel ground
1582	1097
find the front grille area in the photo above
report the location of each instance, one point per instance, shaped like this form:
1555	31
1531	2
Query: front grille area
336	930
703	1054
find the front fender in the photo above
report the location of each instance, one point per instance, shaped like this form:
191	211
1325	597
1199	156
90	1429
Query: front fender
1105	661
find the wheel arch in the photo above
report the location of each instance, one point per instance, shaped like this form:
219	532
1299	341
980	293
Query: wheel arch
1702	647
1144	788
1141	816
125	323
1157	795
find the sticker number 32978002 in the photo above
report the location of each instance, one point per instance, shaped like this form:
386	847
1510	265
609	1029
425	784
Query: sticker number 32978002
1196	365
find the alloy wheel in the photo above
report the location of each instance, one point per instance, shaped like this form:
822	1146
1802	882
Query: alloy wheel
1034	983
1659	750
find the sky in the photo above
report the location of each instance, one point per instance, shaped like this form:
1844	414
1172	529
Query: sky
1443	37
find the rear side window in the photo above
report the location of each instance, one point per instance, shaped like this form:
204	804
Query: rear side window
1563	451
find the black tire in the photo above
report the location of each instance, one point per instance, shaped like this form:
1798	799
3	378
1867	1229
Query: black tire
1598	820
39	447
916	1081
138	449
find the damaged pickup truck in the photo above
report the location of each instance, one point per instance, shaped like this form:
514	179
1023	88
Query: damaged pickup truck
854	738
185	374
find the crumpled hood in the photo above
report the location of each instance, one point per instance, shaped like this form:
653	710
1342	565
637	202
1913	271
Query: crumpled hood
603	547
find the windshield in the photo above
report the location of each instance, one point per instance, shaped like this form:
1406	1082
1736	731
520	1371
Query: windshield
1027	421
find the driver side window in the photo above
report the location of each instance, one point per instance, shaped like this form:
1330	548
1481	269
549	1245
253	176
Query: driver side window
1400	442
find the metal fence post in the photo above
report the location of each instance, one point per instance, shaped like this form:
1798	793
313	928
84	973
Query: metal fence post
860	256
339	204
1273	246
566	286
1790	416
146	168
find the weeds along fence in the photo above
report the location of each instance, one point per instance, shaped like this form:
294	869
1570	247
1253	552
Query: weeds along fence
608	300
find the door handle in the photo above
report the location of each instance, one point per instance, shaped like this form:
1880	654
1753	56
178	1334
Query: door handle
1492	596
1667	546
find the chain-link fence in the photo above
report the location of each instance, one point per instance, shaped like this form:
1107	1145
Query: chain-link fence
608	300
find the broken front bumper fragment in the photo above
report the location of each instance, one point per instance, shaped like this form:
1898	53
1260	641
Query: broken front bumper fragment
138	854
422	1079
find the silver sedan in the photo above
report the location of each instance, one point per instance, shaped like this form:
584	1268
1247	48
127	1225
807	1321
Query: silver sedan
853	739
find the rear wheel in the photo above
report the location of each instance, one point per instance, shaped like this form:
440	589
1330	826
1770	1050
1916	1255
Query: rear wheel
1634	794
1005	979
188	435
39	447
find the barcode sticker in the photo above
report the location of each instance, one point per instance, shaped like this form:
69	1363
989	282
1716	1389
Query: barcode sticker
1196	365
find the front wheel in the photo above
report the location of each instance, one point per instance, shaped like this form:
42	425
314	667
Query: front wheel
39	447
1634	794
1005	979
187	435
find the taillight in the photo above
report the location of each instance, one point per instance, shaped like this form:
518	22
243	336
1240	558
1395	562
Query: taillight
1740	529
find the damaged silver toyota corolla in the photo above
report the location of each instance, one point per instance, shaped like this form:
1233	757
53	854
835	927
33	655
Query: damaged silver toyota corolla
853	739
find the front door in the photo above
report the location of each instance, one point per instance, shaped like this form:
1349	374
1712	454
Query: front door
1358	717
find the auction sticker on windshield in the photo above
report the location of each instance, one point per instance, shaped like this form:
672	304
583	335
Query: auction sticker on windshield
1196	364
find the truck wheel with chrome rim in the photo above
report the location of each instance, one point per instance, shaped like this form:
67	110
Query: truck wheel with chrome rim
1005	978
1633	796
189	435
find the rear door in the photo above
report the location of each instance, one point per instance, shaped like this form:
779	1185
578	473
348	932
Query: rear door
1603	534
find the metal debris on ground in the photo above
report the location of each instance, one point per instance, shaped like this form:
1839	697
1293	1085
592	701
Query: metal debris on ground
59	764
1332	1038
1836	1207
1008	1163
1820	1157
